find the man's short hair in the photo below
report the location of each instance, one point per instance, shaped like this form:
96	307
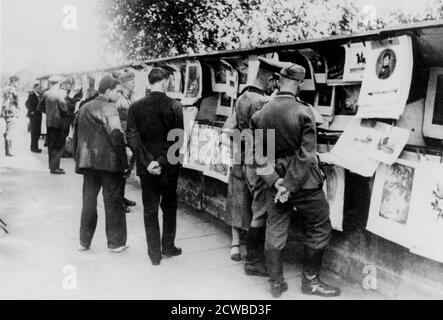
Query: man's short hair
107	82
157	75
387	54
14	79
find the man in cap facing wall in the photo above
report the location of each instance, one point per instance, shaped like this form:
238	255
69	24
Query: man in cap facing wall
294	180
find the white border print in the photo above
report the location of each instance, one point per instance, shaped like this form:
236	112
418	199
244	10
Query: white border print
175	90
387	79
427	220
193	83
355	63
219	75
394	196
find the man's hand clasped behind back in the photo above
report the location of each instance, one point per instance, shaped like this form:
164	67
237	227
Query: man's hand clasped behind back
282	193
155	168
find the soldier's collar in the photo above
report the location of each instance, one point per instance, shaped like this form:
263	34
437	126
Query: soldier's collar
286	93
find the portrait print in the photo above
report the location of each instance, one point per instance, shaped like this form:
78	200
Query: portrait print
397	192
386	63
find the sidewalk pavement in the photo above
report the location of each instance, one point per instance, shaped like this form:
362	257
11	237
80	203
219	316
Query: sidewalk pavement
39	257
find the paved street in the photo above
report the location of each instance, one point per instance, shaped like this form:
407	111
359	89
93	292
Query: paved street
43	213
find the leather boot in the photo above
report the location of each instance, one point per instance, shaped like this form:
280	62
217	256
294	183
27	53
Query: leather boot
8	148
255	262
275	267
311	283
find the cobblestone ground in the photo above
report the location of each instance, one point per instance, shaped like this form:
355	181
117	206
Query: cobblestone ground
43	213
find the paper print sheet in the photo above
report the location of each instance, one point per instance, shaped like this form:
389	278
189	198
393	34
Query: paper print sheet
394	195
355	63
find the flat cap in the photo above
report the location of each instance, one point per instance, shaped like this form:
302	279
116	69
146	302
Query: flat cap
293	72
127	75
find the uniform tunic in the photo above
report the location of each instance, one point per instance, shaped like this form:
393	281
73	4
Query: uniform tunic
295	162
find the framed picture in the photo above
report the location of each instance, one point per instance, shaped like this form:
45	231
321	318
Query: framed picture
193	83
393	196
219	75
225	105
175	90
433	120
325	100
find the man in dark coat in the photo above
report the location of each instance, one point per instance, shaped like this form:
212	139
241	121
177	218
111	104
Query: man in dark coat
294	180
35	116
53	104
100	156
150	120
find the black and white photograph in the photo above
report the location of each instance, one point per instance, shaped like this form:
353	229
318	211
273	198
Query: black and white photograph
231	158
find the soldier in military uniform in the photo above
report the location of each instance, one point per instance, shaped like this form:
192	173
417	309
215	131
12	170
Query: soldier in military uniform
294	180
127	79
10	112
245	196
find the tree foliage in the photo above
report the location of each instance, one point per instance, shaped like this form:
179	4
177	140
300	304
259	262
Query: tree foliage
144	29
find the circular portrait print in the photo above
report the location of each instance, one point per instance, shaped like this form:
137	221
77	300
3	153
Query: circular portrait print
386	64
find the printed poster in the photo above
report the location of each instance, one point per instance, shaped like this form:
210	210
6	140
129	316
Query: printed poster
387	78
427	219
174	90
225	105
220	164
334	188
193	83
189	114
394	195
219	76
355	63
350	151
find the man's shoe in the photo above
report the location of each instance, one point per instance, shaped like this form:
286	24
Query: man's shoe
156	262
174	251
256	269
129	203
312	285
58	171
120	249
36	150
278	288
82	248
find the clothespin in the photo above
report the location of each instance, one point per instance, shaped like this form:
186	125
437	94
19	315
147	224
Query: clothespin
364	43
441	152
328	146
349	44
418	154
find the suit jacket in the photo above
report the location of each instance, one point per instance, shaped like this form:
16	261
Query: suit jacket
53	104
149	122
98	138
295	143
32	104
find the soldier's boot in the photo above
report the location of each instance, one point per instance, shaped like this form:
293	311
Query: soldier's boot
255	263
275	267
311	283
